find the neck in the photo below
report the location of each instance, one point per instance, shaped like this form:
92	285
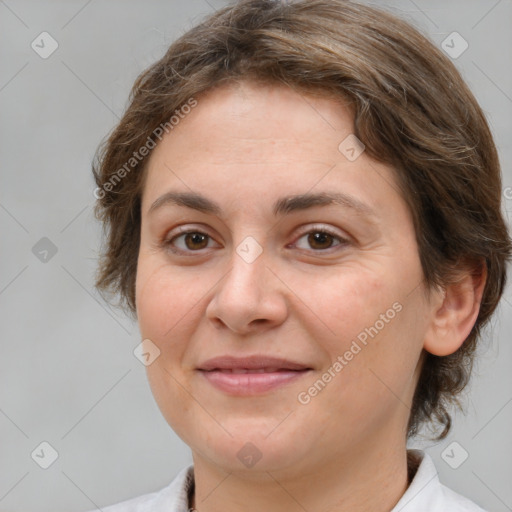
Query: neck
372	478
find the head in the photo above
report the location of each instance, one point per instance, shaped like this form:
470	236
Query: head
264	101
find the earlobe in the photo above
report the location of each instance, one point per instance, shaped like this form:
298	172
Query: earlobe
455	312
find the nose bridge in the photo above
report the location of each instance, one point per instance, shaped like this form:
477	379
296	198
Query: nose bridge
248	268
248	291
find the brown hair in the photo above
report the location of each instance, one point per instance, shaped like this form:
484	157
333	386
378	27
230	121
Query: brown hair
412	110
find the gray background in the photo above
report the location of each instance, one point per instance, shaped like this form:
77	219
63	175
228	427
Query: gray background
67	372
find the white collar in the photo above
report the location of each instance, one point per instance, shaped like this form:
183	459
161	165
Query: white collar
424	494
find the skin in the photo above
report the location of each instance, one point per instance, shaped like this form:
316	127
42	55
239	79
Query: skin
244	146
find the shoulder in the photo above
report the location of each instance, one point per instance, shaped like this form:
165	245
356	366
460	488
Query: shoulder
427	494
172	498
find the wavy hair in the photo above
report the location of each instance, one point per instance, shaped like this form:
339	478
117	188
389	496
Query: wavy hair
411	109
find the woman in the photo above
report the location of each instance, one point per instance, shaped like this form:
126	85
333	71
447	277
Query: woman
302	204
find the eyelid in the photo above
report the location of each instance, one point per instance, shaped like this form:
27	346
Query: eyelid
187	228
323	228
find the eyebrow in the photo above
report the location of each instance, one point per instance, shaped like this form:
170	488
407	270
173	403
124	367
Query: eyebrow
282	206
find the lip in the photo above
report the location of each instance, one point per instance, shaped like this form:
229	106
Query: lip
252	375
254	362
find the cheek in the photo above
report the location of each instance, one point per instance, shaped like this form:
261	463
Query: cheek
369	320
351	301
152	299
162	304
163	298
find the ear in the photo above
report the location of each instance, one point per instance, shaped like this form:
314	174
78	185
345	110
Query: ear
455	309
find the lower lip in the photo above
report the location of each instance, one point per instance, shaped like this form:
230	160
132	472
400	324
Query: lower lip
243	384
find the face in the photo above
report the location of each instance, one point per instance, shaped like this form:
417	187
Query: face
247	265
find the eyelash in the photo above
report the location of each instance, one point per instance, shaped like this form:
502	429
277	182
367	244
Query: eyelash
168	243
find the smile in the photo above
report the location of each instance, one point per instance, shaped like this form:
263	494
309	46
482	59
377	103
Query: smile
246	382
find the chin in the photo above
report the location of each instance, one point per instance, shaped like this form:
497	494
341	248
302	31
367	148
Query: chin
252	450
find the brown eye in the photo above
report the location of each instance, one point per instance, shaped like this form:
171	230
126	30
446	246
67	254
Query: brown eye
320	240
187	242
195	240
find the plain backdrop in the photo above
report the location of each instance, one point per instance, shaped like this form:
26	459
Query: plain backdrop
68	376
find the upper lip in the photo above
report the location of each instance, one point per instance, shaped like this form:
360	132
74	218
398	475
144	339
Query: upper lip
254	362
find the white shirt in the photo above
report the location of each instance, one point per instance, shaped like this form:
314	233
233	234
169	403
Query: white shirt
424	494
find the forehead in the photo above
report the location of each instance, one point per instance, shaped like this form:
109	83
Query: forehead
240	120
253	141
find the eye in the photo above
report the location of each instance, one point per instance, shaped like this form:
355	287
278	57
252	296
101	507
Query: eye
321	239
191	241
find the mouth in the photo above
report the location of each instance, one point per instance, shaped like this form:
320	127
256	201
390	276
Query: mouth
250	370
251	375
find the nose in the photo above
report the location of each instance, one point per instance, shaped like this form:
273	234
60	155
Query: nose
249	297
